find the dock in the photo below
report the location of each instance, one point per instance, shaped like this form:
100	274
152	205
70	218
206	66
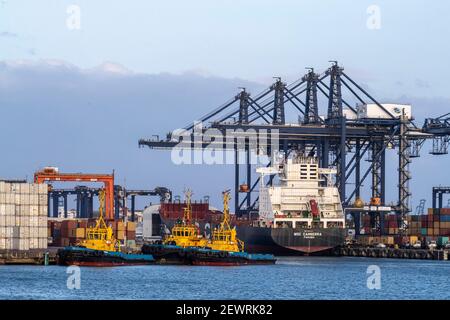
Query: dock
28	257
393	253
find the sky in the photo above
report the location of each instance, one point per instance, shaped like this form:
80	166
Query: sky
82	81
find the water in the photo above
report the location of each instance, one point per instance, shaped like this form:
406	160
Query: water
290	278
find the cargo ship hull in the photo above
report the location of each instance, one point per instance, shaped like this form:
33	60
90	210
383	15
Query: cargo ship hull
281	241
71	256
288	241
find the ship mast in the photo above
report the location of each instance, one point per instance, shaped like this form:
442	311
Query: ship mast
187	210
225	225
100	221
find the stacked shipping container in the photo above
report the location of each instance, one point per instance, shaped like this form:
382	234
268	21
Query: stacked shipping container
23	216
66	232
435	223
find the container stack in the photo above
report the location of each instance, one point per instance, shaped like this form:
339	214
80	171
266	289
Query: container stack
68	232
23	216
435	223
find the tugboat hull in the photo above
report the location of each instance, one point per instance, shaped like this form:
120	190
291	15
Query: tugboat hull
170	254
96	258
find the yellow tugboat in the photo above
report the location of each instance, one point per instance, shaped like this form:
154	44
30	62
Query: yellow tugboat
186	246
186	234
224	237
100	248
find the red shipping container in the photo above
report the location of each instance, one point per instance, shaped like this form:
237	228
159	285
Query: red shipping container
131	235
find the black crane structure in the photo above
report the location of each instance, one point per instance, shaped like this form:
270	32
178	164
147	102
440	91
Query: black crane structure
355	146
85	199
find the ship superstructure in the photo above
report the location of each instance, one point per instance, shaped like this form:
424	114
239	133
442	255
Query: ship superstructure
305	197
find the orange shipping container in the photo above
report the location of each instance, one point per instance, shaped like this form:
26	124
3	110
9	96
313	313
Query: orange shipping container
120	226
78	233
120	235
131	226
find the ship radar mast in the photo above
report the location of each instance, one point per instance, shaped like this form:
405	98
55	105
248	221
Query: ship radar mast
225	225
188	209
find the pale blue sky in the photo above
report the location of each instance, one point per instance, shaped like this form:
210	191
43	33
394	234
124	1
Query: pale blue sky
251	39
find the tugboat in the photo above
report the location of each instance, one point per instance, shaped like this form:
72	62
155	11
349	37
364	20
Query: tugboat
184	235
100	248
186	245
225	249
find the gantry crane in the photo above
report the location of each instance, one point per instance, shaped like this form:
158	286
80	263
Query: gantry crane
53	174
340	139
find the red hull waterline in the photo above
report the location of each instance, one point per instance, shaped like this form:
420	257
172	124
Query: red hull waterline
307	250
103	264
216	264
227	264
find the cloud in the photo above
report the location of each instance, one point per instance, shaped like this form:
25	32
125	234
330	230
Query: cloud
112	68
90	120
419	83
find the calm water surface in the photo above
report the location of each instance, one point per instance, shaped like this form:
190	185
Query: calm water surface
290	278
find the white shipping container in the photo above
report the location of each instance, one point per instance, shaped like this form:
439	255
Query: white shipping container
34	243
373	111
25	221
17	199
2	186
43	211
10	220
2	232
24	232
9	232
14	187
24	210
42	221
34	199
43	242
25	188
43	188
33	221
34	232
42	199
349	114
34	188
9	198
17	221
34	210
2	197
2	243
24	199
2	221
43	232
15	232
8	243
20	244
2	209
10	209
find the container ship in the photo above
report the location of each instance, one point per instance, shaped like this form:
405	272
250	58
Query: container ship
301	215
